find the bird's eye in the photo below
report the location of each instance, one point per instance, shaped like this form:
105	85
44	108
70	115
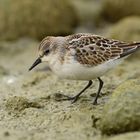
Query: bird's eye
46	52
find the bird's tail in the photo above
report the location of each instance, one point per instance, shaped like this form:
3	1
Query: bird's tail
129	48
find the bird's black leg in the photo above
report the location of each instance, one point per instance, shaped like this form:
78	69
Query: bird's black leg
75	98
101	83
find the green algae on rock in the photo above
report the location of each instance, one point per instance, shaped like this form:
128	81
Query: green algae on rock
117	9
126	136
36	19
17	104
127	29
122	112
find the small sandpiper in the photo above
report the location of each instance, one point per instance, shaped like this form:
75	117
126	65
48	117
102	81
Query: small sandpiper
83	57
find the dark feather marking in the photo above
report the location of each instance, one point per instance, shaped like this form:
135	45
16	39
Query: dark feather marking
129	52
97	50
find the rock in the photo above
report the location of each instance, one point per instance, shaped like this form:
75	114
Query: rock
127	136
3	71
115	10
127	29
17	104
36	19
122	112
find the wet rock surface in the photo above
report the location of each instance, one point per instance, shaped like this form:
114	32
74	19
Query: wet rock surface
126	136
17	104
29	105
121	113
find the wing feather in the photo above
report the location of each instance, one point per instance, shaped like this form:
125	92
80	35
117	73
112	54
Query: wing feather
93	50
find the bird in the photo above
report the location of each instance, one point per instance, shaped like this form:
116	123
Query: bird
83	56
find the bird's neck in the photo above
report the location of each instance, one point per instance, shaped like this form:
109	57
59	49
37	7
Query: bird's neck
58	54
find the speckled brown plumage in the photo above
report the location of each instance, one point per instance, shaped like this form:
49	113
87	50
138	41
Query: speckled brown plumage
92	50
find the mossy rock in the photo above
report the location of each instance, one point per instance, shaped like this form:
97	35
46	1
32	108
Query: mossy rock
122	112
17	104
36	19
126	136
114	10
127	29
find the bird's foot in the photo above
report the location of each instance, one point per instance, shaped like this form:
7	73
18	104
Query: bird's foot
95	102
73	99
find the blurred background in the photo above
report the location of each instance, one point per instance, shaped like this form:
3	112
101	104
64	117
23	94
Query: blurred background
37	19
24	23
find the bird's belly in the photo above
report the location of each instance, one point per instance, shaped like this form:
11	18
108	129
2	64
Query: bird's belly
76	71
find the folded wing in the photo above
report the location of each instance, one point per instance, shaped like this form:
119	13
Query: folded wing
93	50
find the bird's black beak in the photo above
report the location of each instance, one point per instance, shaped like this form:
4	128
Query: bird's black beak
38	61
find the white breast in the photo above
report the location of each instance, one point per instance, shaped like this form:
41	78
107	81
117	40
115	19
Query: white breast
76	71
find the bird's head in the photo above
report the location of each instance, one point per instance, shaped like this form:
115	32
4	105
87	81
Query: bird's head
44	51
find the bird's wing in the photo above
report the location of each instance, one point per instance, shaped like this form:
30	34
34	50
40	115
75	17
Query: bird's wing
93	50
